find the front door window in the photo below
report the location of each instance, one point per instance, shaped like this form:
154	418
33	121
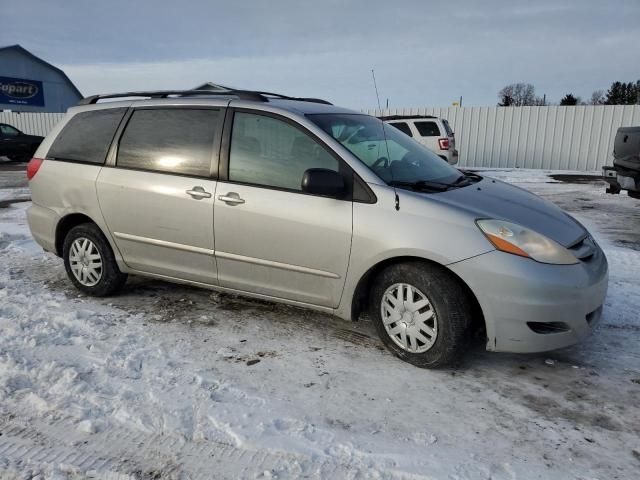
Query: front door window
269	152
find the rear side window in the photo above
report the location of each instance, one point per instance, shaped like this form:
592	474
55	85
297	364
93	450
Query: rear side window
403	127
87	136
172	140
428	129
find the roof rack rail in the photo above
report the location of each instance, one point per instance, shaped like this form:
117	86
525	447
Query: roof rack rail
241	94
299	99
167	93
403	117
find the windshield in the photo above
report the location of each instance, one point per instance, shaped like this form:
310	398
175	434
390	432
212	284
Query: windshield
392	155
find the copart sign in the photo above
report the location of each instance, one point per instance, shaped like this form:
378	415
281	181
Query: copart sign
19	91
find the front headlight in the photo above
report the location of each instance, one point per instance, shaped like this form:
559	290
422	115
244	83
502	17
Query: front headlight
518	240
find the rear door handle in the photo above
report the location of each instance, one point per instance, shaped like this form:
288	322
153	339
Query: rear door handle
198	193
231	198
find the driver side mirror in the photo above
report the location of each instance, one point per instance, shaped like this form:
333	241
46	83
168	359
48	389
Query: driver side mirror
321	181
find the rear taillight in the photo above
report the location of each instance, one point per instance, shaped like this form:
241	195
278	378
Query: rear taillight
443	143
32	167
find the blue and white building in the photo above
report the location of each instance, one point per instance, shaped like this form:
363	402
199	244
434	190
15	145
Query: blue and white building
29	84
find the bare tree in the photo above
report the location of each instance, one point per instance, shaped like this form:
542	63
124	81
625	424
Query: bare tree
540	101
519	95
598	98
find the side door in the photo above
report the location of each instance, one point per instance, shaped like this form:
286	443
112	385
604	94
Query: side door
271	237
156	191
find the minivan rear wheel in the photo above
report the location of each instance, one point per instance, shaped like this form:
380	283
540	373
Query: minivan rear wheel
90	263
421	313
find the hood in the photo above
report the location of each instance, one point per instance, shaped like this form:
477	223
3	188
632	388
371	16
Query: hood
32	138
491	198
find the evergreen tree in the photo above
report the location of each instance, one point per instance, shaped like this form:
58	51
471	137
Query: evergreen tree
621	93
570	99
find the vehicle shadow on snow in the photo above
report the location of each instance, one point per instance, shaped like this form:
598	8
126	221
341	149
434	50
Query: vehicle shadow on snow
191	305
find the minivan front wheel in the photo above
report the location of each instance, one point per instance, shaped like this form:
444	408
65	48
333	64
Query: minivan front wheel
421	313
90	263
409	318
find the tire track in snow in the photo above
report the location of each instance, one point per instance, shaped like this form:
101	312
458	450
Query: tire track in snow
123	454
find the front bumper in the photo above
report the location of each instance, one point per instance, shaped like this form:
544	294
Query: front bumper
518	294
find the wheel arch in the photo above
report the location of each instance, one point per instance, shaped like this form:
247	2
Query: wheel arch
65	224
360	299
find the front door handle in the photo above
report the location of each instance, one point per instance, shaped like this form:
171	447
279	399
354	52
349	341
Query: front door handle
231	198
198	193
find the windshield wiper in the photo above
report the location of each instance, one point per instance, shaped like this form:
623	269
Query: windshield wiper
471	175
467	178
424	185
458	182
464	180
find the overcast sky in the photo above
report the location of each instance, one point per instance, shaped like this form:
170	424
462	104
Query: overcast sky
423	52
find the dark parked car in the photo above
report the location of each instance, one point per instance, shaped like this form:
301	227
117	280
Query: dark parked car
17	145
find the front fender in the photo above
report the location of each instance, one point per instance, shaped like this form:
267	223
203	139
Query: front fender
420	228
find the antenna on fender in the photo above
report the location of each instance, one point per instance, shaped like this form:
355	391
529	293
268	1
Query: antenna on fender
375	85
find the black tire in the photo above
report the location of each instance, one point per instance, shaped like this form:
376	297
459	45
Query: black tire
449	300
111	278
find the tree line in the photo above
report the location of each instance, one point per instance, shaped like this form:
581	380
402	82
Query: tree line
524	94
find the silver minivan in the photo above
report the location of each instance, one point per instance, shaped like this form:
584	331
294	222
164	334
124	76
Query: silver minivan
298	201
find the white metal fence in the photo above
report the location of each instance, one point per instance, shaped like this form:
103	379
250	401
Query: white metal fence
558	138
31	123
566	138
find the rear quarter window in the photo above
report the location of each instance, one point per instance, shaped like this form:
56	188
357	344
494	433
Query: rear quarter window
428	129
87	136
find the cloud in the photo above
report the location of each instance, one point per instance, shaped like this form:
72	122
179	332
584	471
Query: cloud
423	52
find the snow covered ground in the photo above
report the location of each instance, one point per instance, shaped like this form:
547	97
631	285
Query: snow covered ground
13	181
165	381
